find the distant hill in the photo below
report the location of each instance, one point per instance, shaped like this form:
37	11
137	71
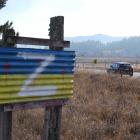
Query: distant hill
128	47
98	37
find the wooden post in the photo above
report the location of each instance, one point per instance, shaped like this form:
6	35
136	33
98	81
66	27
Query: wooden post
5	125
52	123
56	32
53	115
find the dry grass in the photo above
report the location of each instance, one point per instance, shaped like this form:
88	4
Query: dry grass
103	108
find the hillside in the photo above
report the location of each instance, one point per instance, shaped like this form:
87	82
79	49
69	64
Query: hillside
98	37
129	47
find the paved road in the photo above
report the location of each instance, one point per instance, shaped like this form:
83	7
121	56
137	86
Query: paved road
98	71
136	74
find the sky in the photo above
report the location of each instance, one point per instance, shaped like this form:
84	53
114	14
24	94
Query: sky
82	17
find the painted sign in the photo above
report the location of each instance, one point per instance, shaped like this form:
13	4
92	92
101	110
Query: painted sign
35	74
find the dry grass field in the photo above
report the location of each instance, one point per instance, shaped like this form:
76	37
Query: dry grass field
103	108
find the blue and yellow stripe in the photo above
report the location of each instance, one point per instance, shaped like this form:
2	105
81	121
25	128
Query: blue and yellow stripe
35	74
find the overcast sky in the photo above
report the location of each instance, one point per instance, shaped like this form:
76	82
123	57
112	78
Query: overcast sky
82	17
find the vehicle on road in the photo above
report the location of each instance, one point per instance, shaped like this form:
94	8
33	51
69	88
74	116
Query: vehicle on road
121	68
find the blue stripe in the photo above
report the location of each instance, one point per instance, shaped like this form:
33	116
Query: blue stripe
35	61
38	51
8	57
37	55
34	67
27	61
35	64
29	71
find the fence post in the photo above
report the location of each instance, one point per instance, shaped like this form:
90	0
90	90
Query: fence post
5	125
52	123
53	115
5	121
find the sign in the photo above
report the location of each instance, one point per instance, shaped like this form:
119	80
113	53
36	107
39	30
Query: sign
35	74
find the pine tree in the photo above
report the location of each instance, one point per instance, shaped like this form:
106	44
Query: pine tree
7	30
2	3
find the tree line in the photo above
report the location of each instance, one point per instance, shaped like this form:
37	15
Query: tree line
128	47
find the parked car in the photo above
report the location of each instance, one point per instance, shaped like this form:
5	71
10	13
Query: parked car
121	68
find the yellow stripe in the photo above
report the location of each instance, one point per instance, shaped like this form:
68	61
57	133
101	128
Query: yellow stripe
15	89
10	86
40	76
34	99
36	82
9	96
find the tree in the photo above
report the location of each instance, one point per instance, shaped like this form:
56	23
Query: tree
7	30
2	3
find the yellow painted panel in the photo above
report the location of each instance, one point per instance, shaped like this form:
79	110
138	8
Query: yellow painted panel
16	89
51	86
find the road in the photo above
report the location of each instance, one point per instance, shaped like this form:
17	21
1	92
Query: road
98	71
136	75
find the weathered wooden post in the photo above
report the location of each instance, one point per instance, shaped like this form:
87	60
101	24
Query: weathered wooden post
52	121
6	116
5	125
56	33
